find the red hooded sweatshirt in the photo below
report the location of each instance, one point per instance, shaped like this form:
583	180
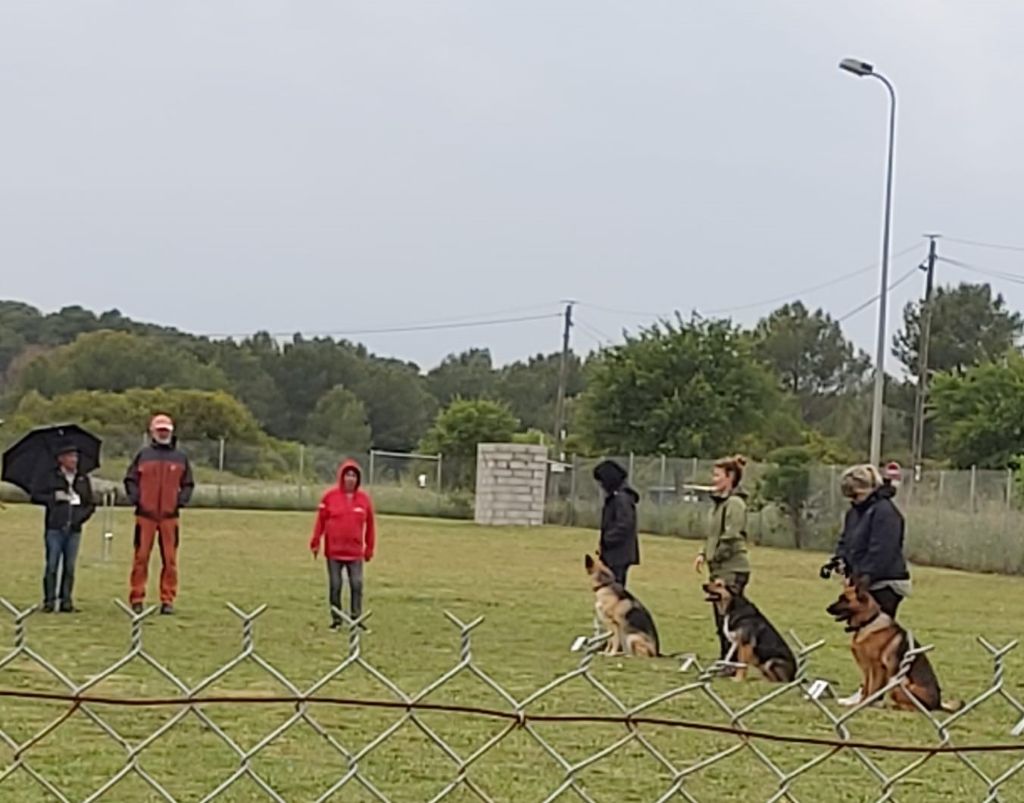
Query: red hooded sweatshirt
345	521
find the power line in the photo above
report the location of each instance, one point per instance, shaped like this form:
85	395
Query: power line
980	244
813	288
1014	278
427	327
875	297
596	334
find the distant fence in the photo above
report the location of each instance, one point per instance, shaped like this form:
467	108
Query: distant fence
963	519
789	743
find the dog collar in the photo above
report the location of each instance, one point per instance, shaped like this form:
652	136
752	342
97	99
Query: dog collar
850	629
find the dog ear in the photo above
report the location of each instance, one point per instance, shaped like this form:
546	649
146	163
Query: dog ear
588	561
861	585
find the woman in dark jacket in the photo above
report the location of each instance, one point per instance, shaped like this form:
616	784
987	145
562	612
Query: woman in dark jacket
871	544
619	546
870	547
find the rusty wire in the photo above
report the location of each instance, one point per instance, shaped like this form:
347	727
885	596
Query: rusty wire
516	715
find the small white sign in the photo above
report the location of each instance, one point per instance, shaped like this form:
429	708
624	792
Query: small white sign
819	689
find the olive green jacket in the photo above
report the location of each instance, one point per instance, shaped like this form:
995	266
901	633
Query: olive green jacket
725	544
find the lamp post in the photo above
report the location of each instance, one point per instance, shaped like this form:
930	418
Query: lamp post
864	70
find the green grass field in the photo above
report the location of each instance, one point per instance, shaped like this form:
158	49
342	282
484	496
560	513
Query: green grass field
531	588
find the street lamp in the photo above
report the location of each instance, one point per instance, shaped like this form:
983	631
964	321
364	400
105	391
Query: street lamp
864	70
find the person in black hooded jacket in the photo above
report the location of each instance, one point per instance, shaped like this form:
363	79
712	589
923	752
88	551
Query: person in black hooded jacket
871	544
619	545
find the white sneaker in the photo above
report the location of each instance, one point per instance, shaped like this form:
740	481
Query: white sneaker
852	700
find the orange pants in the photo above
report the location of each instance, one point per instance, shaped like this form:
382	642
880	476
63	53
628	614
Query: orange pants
147	531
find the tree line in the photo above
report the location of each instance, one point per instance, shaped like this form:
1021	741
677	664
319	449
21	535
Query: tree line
680	387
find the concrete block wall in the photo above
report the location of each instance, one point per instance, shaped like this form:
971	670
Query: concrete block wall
511	481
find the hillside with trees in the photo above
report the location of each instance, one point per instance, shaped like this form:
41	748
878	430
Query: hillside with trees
678	387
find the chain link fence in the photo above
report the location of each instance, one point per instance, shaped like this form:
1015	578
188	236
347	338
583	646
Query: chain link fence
790	740
970	519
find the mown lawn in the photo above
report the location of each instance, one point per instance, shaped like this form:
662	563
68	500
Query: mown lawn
532	591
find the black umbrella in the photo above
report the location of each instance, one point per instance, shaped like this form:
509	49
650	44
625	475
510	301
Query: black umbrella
38	451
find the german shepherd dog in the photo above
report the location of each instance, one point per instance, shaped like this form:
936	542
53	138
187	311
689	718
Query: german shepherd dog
879	645
621	614
755	642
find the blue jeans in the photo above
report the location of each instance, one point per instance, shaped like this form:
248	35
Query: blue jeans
61	554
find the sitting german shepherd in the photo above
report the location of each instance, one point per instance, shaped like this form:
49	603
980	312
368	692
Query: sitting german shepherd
879	645
755	642
622	614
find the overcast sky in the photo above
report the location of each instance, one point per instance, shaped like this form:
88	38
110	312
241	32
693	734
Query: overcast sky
341	166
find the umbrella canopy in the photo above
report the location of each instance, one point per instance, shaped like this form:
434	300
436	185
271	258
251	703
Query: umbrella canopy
38	451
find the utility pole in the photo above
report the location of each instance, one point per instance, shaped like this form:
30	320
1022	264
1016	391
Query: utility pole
920	398
563	380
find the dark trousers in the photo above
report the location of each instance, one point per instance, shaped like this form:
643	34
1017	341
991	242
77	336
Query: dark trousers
620	573
61	554
888	600
355	579
740	580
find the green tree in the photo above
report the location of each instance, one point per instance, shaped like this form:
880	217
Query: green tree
979	415
684	389
469	375
117	361
339	421
198	415
461	426
812	358
787	483
530	388
398	404
303	371
969	326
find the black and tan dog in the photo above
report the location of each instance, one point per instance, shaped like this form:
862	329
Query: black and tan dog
755	642
622	614
879	645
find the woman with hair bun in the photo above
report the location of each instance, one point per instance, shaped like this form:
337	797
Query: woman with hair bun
725	545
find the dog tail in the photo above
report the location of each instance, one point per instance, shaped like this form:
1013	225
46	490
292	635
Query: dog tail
951	706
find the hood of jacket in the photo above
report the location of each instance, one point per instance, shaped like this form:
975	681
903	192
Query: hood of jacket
610	475
350	465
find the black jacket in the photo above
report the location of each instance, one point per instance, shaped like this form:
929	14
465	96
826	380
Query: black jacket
871	544
620	545
62	515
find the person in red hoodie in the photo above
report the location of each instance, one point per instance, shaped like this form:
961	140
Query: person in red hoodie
346	530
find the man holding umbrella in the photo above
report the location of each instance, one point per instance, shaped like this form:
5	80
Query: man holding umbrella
159	483
51	464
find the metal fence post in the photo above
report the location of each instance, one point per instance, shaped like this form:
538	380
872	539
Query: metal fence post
974	487
109	499
439	476
694	477
302	470
631	467
570	509
220	472
661	480
831	488
371	468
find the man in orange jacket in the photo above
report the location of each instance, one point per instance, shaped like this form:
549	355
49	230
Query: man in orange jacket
159	483
346	529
